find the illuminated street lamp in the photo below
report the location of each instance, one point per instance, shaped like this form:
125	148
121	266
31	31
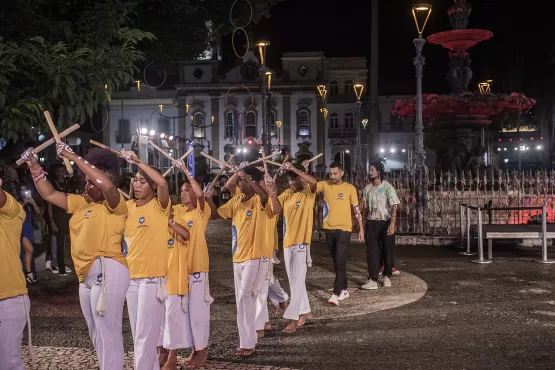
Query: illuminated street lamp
138	82
322	91
421	12
365	122
359	88
262	46
279	124
485	86
324	112
269	77
266	94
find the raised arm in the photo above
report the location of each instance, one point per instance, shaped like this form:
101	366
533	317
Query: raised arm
231	183
3	197
194	184
209	196
311	180
96	176
159	180
271	190
44	187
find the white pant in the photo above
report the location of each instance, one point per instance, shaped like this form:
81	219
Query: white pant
248	276
105	331
199	309
175	331
145	315
296	261
262	316
13	317
276	293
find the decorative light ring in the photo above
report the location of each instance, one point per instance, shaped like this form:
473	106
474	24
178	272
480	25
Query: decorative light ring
146	82
233	42
231	13
250	93
105	123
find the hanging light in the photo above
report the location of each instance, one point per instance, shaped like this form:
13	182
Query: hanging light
161	107
212	119
364	122
186	108
278	124
138	82
324	112
485	86
421	12
144	130
269	75
262	45
106	86
358	90
152	132
162	135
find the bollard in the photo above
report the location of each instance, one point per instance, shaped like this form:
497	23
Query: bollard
461	224
467	252
544	238
480	259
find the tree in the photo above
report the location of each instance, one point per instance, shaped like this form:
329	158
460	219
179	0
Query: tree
66	57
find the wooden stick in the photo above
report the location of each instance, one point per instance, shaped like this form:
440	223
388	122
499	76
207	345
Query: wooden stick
56	138
124	194
131	192
274	163
51	141
173	163
262	159
264	162
116	152
215	160
315	158
279	170
221	172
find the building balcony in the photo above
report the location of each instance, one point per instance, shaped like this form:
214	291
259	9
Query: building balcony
338	133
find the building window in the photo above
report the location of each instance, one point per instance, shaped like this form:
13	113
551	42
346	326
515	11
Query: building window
123	127
272	118
334	88
334	121
250	124
349	89
303	123
164	125
349	120
198	126
228	125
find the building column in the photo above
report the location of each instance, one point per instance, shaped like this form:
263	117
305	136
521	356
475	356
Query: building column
286	139
215	111
183	119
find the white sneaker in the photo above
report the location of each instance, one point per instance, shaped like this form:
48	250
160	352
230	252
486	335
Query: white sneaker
370	285
333	300
386	282
344	294
49	265
68	270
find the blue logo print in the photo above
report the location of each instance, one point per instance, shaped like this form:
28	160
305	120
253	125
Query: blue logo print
190	223
249	213
340	195
297	203
88	213
325	210
196	275
124	244
233	240
284	226
302	246
99	278
142	220
170	241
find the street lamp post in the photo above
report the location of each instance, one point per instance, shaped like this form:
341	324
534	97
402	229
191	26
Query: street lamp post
323	92
266	95
421	13
359	88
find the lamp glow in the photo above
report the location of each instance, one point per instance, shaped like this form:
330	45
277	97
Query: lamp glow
138	82
359	88
152	132
144	130
421	11
279	124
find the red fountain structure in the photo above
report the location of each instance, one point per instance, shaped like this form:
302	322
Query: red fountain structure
462	111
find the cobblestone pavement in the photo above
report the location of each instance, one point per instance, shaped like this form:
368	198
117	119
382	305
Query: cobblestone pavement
442	312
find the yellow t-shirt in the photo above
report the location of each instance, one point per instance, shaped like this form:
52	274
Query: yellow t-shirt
270	230
196	223
247	239
177	278
95	230
12	216
298	216
146	236
338	200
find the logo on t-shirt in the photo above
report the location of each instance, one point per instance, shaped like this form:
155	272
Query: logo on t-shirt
170	242
249	213
233	240
340	196
99	278
124	246
297	204
141	220
87	214
196	277
325	210
302	246
190	223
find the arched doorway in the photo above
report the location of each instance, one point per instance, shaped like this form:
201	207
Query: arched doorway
345	159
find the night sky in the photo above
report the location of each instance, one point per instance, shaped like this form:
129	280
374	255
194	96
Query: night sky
341	28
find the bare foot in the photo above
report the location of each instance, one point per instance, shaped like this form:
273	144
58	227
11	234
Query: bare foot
247	352
238	350
199	359
280	309
291	327
192	356
303	318
162	356
260	333
171	362
267	326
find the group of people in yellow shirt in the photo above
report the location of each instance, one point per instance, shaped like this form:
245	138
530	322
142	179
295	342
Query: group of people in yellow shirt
162	268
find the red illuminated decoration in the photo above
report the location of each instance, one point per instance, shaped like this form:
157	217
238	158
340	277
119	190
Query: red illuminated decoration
499	140
532	138
511	140
250	142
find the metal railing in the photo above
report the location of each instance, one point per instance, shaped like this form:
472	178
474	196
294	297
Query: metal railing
465	209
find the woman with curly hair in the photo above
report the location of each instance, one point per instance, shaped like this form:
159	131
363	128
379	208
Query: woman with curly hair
96	225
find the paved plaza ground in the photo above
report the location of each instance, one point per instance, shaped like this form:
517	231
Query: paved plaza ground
441	312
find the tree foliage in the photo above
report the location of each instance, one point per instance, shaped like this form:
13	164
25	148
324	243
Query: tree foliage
59	56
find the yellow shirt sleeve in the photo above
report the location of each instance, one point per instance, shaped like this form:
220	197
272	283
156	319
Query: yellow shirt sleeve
354	196
286	194
226	211
11	209
320	186
121	208
75	203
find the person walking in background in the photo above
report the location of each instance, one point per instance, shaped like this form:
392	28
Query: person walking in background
31	212
339	198
380	203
